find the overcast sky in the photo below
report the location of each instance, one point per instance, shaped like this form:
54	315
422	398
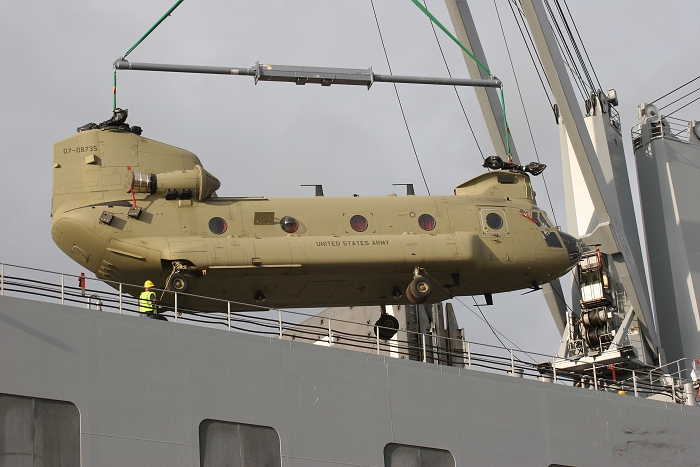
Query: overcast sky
56	75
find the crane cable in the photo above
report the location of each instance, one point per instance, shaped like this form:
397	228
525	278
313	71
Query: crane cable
157	23
425	10
522	102
396	90
459	99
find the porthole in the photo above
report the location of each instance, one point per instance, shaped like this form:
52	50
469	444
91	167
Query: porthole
217	225
289	224
494	221
358	223
426	222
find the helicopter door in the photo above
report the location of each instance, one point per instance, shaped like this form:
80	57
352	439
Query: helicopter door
495	233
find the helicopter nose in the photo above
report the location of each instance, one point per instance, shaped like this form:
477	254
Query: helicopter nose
573	247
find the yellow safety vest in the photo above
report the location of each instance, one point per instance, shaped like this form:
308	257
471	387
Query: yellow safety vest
146	302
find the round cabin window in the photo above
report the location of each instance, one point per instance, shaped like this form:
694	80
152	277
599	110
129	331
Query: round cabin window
358	223
289	224
426	222
217	225
494	221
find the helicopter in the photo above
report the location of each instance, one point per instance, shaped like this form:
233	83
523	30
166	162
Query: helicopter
132	209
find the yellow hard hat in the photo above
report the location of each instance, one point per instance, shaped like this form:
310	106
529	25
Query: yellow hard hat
148	284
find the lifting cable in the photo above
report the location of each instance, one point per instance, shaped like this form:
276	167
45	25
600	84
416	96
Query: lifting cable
574	45
157	23
679	87
495	331
530	46
476	60
522	103
449	73
583	46
566	52
396	90
434	21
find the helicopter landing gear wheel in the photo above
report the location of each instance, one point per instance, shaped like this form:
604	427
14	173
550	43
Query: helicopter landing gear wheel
419	290
178	283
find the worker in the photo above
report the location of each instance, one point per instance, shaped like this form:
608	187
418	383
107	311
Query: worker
147	301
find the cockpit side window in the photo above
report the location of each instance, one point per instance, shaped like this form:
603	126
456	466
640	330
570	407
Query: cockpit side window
541	219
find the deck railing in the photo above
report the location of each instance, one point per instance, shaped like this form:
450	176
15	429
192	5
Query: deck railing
675	380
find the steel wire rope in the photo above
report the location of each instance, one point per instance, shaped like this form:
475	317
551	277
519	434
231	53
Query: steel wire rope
583	45
684	106
572	40
680	98
494	330
427	13
522	103
531	44
564	47
482	317
398	98
449	73
679	87
566	50
528	47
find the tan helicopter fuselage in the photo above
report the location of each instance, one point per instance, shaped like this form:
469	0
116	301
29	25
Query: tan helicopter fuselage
488	238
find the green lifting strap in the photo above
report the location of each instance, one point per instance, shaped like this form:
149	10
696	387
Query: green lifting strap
162	18
114	91
422	8
446	31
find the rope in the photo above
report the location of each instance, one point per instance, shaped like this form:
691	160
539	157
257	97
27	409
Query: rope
449	73
482	317
522	103
530	46
669	93
680	98
162	18
396	90
422	8
114	91
450	35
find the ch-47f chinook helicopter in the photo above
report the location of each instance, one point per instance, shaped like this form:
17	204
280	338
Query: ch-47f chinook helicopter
130	208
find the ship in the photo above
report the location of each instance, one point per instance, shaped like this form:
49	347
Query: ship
86	381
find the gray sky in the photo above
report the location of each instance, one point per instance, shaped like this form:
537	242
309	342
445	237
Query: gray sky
268	139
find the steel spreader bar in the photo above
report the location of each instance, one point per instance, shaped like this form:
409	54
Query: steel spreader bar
307	74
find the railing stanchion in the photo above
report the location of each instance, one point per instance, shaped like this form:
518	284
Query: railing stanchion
425	353
330	334
376	329
63	293
279	320
120	298
2	279
228	314
673	388
176	307
512	363
634	382
595	378
554	370
469	354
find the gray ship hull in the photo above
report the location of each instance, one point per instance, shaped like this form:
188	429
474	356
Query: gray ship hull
143	387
